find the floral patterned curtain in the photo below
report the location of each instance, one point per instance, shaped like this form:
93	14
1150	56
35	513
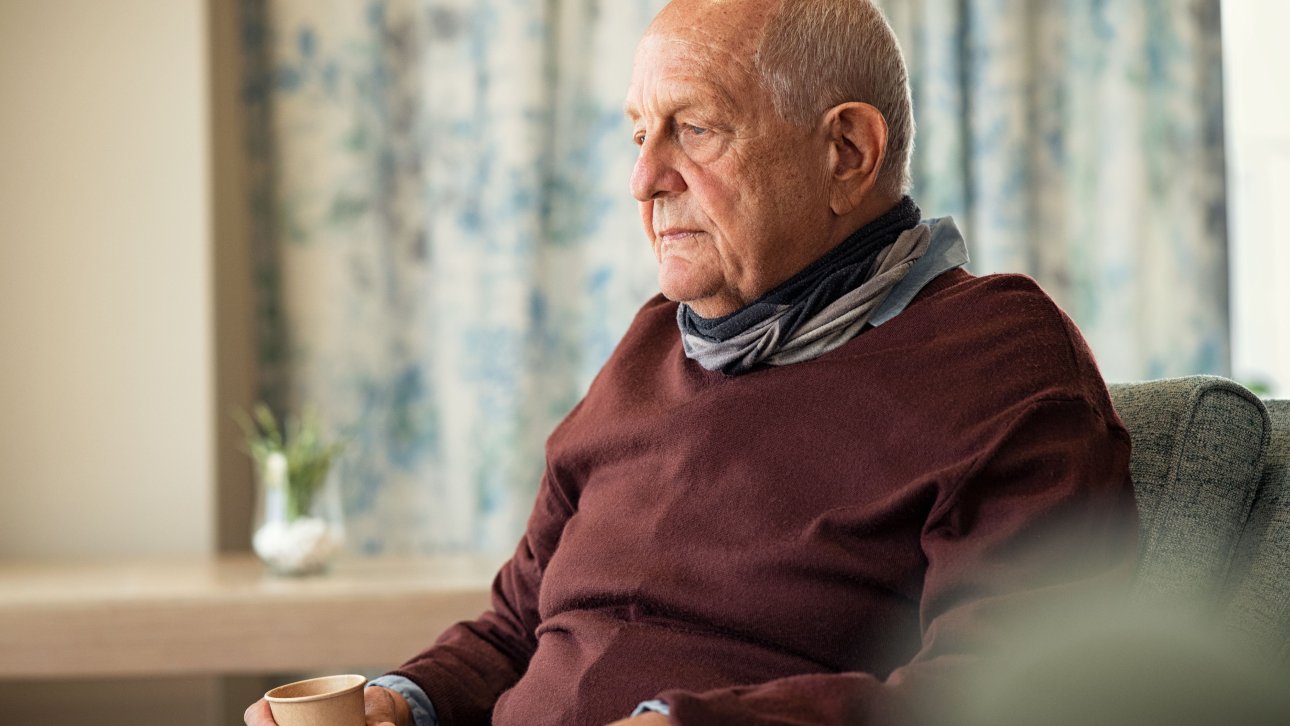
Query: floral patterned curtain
446	250
1081	142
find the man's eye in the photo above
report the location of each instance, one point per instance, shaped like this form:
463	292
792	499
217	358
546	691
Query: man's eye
696	130
639	138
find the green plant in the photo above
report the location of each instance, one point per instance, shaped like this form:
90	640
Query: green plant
1258	386
308	455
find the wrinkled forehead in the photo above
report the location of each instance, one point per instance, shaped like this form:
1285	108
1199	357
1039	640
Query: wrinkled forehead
662	88
730	28
690	60
703	47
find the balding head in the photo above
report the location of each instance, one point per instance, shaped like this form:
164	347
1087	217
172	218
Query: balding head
816	54
734	24
811	55
726	33
740	188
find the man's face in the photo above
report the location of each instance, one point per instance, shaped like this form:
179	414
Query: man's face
734	199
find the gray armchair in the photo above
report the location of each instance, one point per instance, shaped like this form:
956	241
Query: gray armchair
1211	470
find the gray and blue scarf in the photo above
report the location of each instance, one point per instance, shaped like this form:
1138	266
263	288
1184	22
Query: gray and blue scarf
819	308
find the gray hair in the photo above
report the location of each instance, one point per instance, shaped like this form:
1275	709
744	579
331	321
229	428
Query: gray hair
816	54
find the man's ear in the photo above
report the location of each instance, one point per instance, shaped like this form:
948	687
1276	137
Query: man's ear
857	134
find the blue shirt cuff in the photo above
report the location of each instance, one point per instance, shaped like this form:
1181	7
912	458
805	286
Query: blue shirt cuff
418	702
655	705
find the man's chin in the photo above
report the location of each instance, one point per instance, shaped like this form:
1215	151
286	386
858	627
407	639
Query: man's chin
705	306
678	283
682	291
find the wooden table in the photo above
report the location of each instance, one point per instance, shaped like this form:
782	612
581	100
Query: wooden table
225	615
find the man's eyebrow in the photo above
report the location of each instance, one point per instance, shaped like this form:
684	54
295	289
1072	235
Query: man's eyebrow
672	109
716	96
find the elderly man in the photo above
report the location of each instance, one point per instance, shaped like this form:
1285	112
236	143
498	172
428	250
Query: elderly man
817	499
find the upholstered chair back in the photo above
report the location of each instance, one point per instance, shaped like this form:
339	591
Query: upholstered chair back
1211	472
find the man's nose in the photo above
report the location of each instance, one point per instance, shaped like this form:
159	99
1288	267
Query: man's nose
655	174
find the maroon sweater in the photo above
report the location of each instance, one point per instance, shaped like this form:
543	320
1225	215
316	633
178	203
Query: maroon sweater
801	544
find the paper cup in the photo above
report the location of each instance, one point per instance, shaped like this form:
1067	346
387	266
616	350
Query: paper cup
326	701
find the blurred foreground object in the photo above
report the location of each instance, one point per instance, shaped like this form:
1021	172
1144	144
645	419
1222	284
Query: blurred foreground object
1208	639
1109	667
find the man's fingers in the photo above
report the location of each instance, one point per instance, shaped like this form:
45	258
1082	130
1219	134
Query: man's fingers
258	714
385	707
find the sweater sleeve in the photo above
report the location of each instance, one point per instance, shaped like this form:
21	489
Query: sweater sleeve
1040	516
472	663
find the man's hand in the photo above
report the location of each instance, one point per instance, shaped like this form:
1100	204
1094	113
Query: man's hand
649	718
381	706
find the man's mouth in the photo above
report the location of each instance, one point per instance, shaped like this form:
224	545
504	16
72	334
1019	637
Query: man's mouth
671	241
673	234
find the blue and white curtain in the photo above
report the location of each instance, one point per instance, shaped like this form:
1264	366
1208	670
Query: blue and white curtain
1081	142
446	250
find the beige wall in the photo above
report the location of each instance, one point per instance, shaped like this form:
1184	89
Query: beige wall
107	370
105	307
1255	59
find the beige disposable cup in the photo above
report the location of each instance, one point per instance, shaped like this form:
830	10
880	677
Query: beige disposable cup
326	701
